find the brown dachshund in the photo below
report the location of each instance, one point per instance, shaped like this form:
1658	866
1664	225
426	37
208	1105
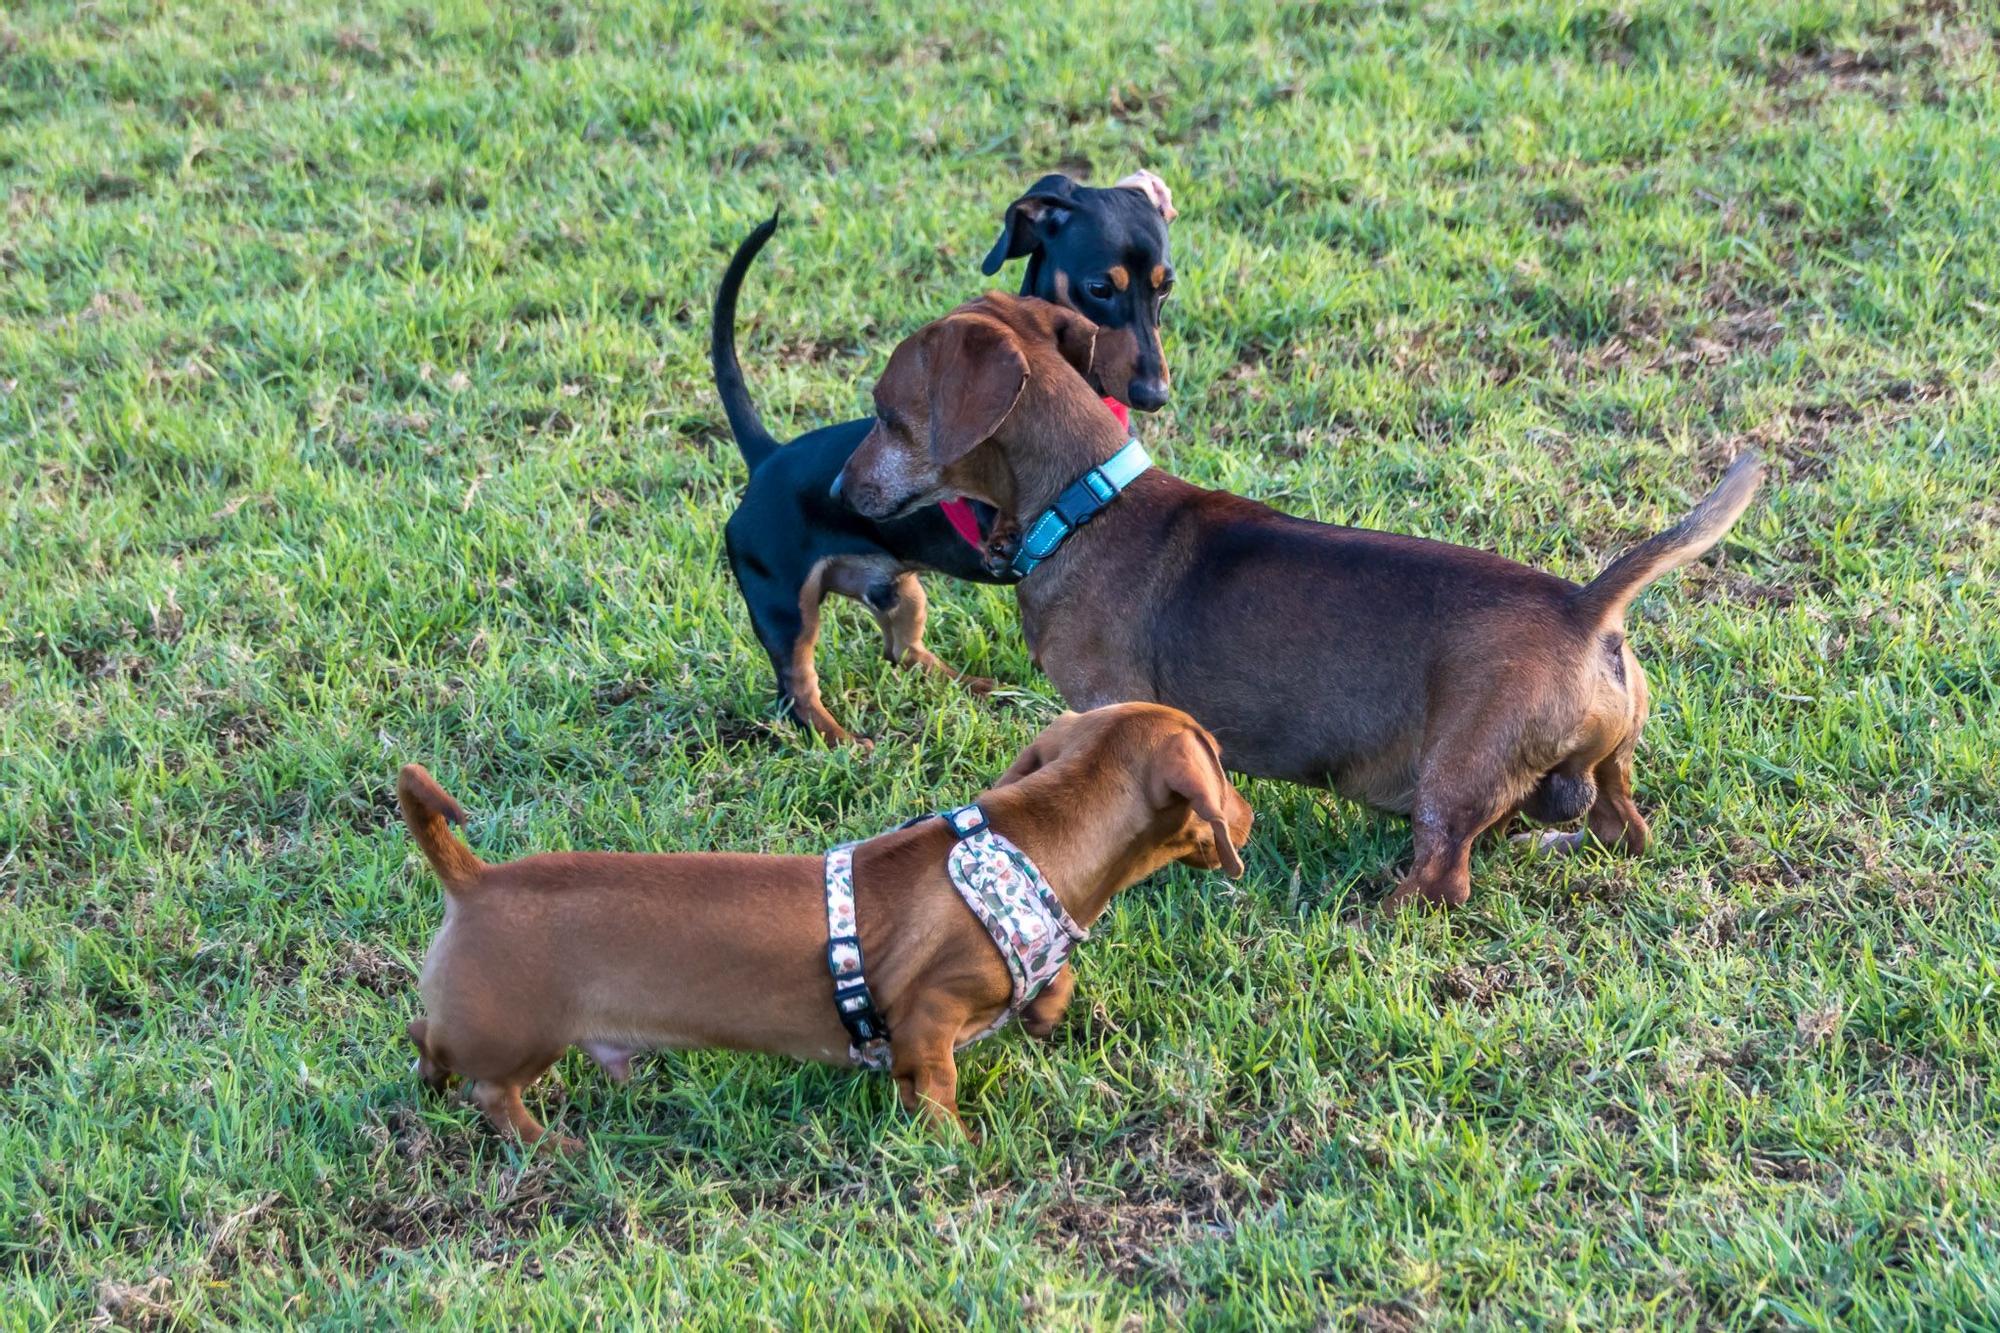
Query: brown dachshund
620	953
1444	683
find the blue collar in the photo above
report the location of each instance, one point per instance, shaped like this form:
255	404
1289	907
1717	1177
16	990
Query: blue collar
1080	501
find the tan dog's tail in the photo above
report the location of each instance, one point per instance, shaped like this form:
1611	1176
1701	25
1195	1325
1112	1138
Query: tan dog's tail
430	813
1603	600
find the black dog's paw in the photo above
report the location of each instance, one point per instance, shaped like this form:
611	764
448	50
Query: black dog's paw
997	555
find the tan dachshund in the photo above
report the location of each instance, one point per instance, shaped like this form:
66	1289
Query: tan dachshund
622	953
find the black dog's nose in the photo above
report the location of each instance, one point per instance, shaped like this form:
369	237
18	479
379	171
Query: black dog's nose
838	478
1148	395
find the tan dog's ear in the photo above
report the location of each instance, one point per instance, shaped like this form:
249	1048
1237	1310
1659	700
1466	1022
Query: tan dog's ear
977	373
1028	761
1076	338
1042	751
1188	768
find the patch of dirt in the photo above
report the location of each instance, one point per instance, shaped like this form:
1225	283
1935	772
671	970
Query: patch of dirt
1180	1194
1812	435
622	692
1390	1317
1914	56
372	969
491	1215
1481	985
128	1305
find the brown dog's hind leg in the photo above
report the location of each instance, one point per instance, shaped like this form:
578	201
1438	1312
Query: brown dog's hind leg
1046	1010
798	675
1615	818
1465	789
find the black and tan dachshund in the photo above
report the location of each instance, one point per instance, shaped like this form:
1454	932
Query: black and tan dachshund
792	541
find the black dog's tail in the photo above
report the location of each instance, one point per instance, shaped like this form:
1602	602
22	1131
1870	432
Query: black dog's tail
751	437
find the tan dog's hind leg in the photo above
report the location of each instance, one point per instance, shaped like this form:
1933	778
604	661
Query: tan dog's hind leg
501	1100
1615	819
1043	1012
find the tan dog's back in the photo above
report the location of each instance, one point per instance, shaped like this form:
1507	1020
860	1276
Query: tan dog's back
622	949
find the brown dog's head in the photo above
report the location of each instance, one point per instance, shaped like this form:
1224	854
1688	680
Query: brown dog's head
1168	760
960	381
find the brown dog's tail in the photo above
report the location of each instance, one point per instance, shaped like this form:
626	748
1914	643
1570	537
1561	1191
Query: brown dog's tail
1603	600
430	813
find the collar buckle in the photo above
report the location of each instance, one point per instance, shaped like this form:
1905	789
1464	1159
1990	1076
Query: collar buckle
1078	503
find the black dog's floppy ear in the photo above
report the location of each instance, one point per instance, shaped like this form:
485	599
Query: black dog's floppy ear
1031	220
977	373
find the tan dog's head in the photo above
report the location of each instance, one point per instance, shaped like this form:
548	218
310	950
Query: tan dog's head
998	364
1168	760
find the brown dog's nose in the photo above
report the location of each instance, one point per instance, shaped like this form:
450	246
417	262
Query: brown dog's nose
1148	395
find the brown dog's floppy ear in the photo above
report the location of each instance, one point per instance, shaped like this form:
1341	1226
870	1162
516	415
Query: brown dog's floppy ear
1188	768
977	373
1031	220
1076	338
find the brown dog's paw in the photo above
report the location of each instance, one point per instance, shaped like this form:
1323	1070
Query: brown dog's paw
979	685
1419	892
1550	842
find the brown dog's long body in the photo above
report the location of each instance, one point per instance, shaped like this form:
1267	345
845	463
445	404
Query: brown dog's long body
1445	683
623	953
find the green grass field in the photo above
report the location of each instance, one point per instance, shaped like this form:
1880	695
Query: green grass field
354	409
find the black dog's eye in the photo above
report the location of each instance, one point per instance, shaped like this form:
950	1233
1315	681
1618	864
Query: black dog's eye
1100	288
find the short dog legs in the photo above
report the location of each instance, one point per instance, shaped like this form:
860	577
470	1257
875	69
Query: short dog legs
1613	820
1464	790
1046	1010
900	609
926	1073
434	1075
501	1101
499	1098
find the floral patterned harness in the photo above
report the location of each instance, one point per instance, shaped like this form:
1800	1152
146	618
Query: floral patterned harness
1000	885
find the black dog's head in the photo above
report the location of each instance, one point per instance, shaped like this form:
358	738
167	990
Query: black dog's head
1102	253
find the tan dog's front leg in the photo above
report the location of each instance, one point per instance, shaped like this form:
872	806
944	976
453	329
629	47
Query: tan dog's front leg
926	1073
1042	1013
501	1100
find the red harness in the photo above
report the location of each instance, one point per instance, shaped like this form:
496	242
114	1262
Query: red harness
959	512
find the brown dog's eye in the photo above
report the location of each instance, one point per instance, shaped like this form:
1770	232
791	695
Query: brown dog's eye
1100	289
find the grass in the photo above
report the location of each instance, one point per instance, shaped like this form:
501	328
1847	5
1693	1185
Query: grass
354	410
